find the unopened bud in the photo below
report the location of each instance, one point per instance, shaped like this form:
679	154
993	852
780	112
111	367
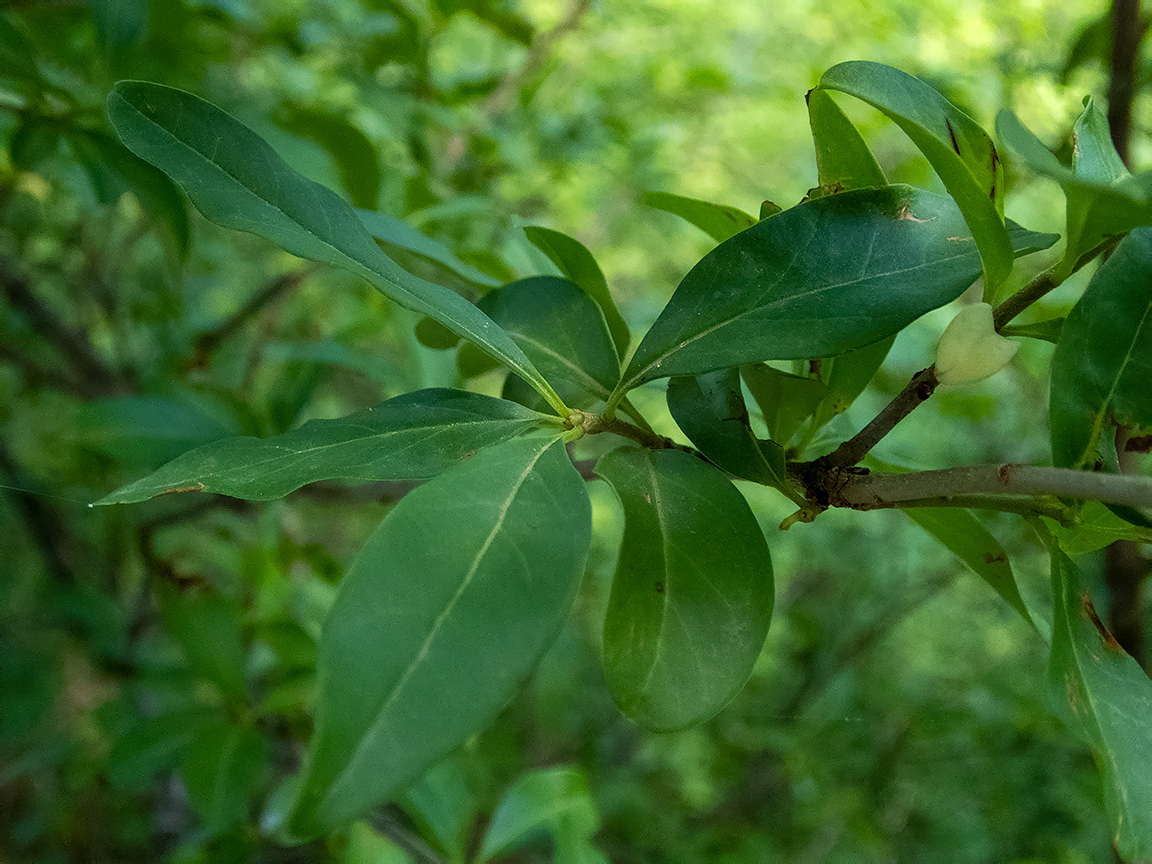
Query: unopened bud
971	349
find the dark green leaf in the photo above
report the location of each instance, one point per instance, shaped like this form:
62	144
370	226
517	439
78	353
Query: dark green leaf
396	232
235	179
843	160
443	807
1106	698
718	221
553	801
966	537
693	592
827	276
222	770
562	331
432	334
958	149
351	151
154	744
577	263
439	620
1048	331
209	629
143	431
847	375
1103	362
33	141
711	412
410	437
786	401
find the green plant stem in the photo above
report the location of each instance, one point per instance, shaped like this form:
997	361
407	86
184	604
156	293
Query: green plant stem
594	424
1025	297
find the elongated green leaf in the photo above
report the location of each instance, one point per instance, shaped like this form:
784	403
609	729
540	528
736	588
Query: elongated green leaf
1105	697
440	618
1103	362
843	160
827	276
846	377
577	263
555	801
351	151
144	431
718	221
410	437
398	233
235	179
1048	331
966	537
1096	527
693	592
222	770
560	328
960	151
786	401
443	807
1103	199
710	410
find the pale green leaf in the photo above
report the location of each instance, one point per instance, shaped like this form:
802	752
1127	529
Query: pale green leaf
553	801
843	160
718	221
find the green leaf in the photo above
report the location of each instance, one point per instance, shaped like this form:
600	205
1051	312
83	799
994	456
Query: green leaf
114	169
120	24
847	376
222	770
209	629
577	263
561	330
154	744
439	620
710	410
827	276
410	437
351	151
966	537
554	801
1103	362
398	233
718	221
693	592
786	401
143	431
1106	698
1096	527
443	807
1103	199
960	151
1048	331
843	160
236	180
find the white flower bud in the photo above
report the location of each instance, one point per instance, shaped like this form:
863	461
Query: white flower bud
971	349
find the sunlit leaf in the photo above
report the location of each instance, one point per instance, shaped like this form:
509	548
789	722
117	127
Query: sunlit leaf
843	160
959	150
718	221
439	620
235	179
693	592
1102	365
410	437
1106	698
827	276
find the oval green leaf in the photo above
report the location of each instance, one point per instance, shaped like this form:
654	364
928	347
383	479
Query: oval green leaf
1106	698
1103	362
439	620
959	150
410	437
827	276
693	592
238	181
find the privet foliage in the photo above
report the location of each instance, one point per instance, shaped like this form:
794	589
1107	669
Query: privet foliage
468	578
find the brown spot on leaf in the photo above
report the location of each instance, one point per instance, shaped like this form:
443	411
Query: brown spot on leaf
659	586
1106	637
990	558
199	487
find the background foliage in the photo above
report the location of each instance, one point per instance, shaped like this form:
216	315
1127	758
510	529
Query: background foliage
155	661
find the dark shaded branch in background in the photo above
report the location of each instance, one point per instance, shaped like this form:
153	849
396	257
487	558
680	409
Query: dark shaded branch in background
274	290
1127	33
98	378
40	374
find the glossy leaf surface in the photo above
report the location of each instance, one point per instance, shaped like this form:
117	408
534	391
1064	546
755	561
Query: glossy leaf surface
1106	698
238	181
960	151
843	160
718	221
410	437
577	263
693	592
439	620
1102	365
966	537
710	410
827	276
560	328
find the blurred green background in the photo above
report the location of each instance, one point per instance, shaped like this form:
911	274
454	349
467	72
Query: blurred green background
898	711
